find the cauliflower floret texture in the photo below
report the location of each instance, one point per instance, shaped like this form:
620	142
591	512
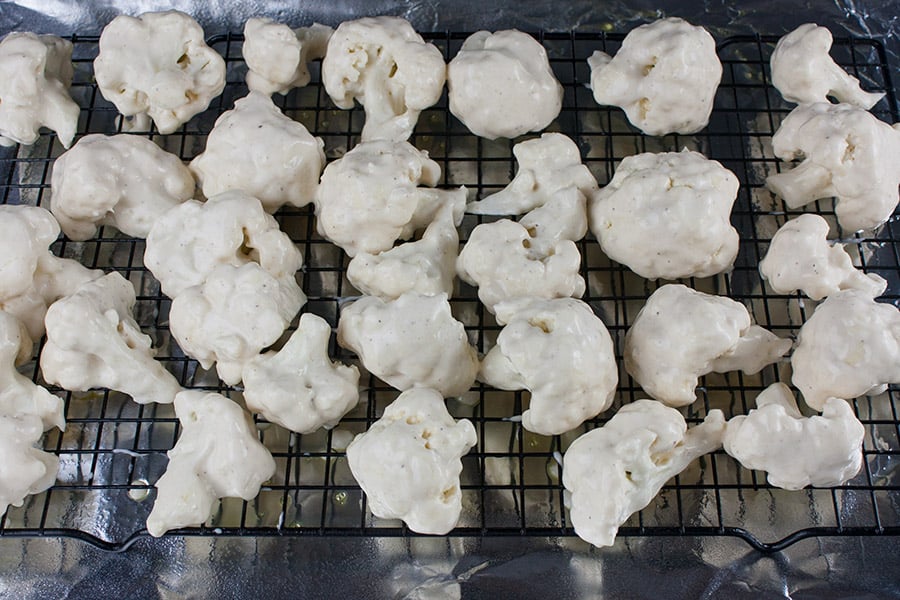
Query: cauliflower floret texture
800	258
123	180
370	197
233	315
426	266
845	152
31	277
93	341
797	451
19	395
501	85
25	469
277	55
218	455
537	255
848	348
411	341
562	353
158	64
681	334
664	77
803	71
187	243
257	149
299	387
616	470
408	462
384	64
668	215
35	77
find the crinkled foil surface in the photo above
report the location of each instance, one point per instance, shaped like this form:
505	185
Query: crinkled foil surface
635	567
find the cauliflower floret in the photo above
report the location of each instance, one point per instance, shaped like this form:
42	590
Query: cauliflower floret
257	149
411	341
614	471
501	85
681	334
233	316
547	165
561	352
123	180
850	347
664	77
847	153
427	266
35	77
218	455
800	258
19	395
498	258
277	55
408	462
803	71
298	387
369	198
668	215
158	64
385	65
94	342
24	469
31	278
796	451
187	243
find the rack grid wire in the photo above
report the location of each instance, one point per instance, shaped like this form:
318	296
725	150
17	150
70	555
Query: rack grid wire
113	450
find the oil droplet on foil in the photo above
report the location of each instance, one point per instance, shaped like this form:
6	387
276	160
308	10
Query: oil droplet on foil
340	498
139	494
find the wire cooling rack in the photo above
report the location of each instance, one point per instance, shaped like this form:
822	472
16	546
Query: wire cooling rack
114	450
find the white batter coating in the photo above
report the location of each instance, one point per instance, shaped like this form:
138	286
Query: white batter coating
501	85
25	469
277	55
408	462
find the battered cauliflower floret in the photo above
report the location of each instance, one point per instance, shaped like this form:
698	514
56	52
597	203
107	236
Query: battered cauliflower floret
412	341
408	462
667	215
426	266
385	65
25	469
257	149
547	165
187	243
31	278
845	152
803	71
612	472
299	387
19	396
501	85
850	347
561	352
801	258
158	64
218	455
93	341
35	77
509	260
277	55
125	181
664	77
233	316
797	451
681	334
370	197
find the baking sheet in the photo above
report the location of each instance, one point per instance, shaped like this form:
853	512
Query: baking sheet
476	568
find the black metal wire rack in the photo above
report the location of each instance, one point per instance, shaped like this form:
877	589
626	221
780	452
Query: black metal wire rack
114	450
